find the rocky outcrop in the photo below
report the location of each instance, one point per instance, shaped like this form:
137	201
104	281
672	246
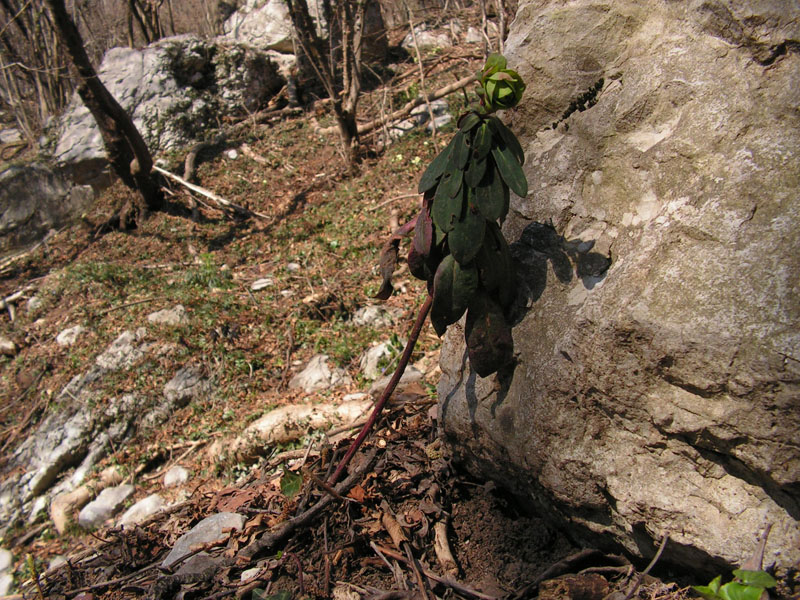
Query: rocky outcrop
33	200
657	383
174	89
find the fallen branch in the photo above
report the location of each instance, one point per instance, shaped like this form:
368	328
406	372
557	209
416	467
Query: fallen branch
212	196
406	110
191	157
446	581
127	304
271	539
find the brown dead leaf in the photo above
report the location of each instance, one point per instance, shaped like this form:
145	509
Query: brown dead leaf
357	493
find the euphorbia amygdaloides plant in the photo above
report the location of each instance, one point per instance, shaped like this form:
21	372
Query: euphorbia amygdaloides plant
458	247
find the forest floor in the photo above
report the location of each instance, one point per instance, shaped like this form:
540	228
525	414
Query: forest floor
249	343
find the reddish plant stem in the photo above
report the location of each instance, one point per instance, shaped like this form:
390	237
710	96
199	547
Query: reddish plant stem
387	392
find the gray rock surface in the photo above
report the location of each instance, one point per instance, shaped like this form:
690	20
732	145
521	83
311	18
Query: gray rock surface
177	475
144	508
411	375
371	359
209	529
267	26
69	336
33	305
33	200
169	316
375	316
427	39
174	89
318	375
73	436
187	383
108	502
656	389
6	583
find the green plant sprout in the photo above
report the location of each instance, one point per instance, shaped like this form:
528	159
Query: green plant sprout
458	247
747	585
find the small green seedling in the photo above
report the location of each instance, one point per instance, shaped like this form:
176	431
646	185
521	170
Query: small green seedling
747	585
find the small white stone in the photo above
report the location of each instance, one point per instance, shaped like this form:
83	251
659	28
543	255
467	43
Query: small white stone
6	559
106	504
142	509
7	347
39	506
168	316
175	476
232	154
69	336
250	573
33	304
6	581
260	284
293	267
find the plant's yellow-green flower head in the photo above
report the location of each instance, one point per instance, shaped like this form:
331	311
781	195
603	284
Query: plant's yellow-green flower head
501	88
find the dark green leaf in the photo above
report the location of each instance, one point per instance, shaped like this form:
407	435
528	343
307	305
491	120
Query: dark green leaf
468	121
739	591
460	154
493	262
488	335
482	142
475	172
508	138
492	194
466	237
291	483
510	170
757	578
450	183
434	170
504	265
453	288
446	210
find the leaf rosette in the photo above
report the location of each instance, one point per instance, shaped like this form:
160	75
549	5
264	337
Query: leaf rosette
501	88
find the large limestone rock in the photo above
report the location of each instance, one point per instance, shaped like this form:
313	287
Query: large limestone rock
174	89
657	383
33	200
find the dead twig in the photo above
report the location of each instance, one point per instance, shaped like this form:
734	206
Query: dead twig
653	562
127	304
411	105
268	541
446	581
212	196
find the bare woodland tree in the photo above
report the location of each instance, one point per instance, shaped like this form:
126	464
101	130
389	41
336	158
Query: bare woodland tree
127	152
33	67
343	84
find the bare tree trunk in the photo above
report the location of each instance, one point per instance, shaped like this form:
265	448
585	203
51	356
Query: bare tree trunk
349	18
127	152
